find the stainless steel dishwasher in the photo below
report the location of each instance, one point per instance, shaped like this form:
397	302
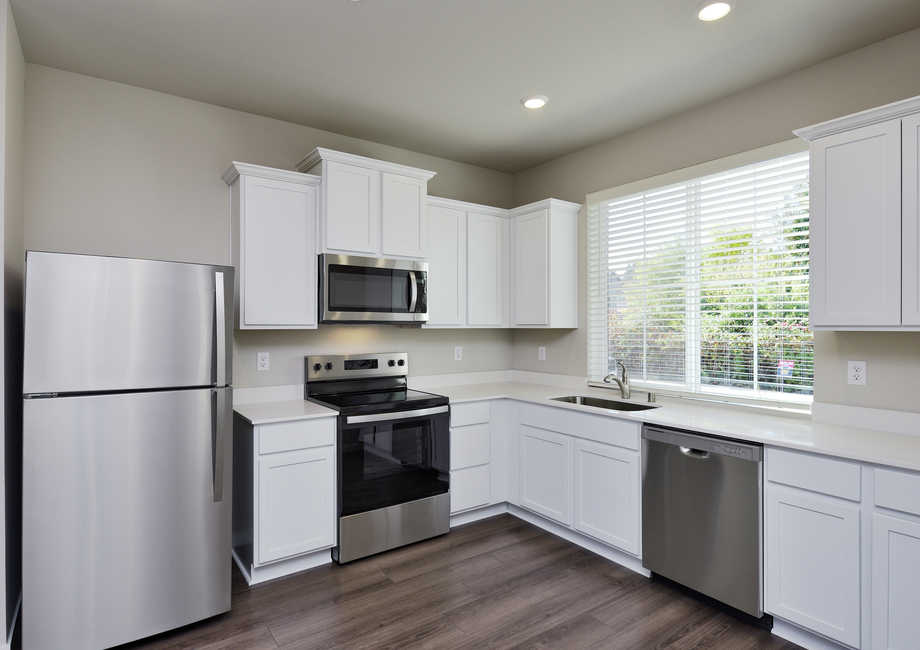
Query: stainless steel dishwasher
702	517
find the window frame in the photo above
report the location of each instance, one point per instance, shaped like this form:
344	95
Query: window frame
597	363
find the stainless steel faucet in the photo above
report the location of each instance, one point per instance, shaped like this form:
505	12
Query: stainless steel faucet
623	382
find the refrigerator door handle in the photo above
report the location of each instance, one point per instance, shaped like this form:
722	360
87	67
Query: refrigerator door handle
220	352
220	422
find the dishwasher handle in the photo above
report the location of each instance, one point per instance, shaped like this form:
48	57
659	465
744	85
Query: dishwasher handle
694	453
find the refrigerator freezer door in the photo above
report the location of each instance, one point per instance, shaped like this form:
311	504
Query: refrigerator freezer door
123	536
97	324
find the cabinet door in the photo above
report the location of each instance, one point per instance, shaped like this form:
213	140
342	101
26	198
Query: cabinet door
352	208
895	583
531	269
606	494
855	227
404	215
910	220
813	564
278	254
486	270
446	266
545	459
296	497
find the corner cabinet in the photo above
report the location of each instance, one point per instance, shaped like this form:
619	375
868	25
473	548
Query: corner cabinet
864	235
284	496
467	265
544	264
370	207
273	226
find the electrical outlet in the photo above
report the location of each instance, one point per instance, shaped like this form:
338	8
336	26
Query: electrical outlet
458	353
856	373
262	361
541	353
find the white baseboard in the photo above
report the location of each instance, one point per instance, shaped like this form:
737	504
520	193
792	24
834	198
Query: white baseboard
255	575
804	638
866	418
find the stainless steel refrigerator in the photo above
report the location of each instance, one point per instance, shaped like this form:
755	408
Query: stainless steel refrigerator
126	448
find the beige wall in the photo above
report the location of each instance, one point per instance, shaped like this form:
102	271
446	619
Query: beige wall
112	169
766	114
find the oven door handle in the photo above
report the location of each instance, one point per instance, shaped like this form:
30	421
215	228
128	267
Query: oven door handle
395	415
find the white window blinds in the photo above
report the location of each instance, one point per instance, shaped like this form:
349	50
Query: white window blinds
701	286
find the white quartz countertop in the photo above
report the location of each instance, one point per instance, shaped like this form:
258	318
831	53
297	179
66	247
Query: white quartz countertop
269	412
752	424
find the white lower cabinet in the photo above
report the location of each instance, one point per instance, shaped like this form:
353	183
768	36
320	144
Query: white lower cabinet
283	495
813	543
896	561
606	494
581	470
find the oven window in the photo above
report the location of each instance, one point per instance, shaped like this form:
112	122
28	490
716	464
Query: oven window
383	464
363	289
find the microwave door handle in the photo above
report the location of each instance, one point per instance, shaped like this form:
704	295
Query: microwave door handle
413	292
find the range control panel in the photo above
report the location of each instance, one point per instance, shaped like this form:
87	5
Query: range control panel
356	366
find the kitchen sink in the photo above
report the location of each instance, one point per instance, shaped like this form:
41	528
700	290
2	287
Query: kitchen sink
601	403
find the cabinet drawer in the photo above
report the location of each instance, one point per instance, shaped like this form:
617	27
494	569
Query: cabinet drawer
298	434
469	488
600	428
898	491
816	473
469	446
469	413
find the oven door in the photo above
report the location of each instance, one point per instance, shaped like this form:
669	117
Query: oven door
392	458
372	290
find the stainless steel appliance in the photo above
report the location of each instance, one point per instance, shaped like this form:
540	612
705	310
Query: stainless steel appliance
126	448
372	290
393	452
702	516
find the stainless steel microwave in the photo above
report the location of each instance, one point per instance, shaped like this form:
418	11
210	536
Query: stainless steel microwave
372	290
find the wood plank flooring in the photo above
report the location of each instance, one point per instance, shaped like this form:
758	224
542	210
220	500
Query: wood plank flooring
500	583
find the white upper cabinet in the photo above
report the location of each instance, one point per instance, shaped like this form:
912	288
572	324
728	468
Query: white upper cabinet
467	265
273	230
370	207
544	264
864	235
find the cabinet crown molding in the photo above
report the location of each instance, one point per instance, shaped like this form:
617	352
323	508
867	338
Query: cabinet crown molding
320	154
892	111
237	168
550	204
441	202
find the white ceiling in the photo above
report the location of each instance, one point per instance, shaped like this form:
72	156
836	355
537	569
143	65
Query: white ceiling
445	77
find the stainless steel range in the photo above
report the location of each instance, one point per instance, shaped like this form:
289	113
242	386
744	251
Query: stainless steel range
393	452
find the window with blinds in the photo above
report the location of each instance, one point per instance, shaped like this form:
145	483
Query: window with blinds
701	285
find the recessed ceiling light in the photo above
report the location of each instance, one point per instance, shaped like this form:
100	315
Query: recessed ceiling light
712	9
534	101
